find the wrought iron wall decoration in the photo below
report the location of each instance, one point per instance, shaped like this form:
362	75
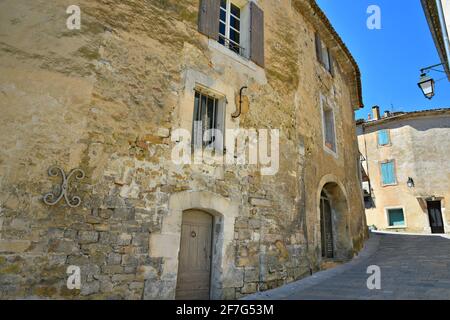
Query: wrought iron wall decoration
49	198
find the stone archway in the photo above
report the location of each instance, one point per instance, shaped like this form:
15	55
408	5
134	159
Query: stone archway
166	244
331	189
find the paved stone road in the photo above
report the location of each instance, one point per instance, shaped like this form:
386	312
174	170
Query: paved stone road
412	267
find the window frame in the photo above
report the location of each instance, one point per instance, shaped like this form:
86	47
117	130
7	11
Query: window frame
228	27
388	132
387	209
220	104
395	172
324	101
330	66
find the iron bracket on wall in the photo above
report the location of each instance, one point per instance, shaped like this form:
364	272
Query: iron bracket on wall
49	198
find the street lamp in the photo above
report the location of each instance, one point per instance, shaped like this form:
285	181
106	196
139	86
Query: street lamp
410	182
426	84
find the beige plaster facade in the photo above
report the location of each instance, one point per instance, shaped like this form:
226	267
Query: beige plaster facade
418	145
107	98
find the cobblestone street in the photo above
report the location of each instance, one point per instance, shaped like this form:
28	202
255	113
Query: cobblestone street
412	267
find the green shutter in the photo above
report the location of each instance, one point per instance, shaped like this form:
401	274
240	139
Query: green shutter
383	137
388	173
396	217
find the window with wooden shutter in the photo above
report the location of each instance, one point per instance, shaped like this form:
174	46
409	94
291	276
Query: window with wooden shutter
256	34
318	48
388	173
331	59
396	217
328	123
383	137
324	55
208	18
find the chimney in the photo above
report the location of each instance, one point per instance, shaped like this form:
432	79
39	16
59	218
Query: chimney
369	117
387	114
376	112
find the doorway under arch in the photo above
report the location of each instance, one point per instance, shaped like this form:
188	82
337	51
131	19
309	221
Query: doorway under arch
195	256
333	214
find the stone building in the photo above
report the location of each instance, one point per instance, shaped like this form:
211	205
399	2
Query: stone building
406	171
108	98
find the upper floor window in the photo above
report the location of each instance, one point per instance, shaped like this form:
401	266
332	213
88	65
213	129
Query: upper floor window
383	138
230	26
328	122
236	24
324	55
388	173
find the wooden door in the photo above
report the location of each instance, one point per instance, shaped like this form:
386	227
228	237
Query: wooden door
326	228
194	266
435	216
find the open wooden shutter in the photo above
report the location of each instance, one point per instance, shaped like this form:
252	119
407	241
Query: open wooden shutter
256	34
208	18
319	48
331	59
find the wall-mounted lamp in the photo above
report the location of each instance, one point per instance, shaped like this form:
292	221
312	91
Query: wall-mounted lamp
410	182
426	83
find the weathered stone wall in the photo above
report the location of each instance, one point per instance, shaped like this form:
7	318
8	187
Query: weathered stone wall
419	145
106	99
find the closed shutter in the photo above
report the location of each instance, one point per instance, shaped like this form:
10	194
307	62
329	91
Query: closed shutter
319	48
388	173
383	137
256	35
396	217
208	18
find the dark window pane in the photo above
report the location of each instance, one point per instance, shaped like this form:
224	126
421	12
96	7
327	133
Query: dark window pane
235	11
235	48
235	36
203	108
197	107
222	28
221	40
235	23
223	15
210	113
223	4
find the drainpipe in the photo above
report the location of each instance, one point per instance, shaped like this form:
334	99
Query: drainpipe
444	33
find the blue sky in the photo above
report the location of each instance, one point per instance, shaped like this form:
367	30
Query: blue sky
390	59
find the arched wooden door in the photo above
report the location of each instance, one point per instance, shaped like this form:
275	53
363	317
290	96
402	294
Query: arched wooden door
326	227
194	264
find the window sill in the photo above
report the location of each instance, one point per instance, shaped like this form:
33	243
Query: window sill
389	185
397	227
324	69
330	151
233	55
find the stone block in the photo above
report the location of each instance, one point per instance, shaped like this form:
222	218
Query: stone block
251	275
163	132
114	259
249	288
258	202
124	239
14	246
233	277
88	236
